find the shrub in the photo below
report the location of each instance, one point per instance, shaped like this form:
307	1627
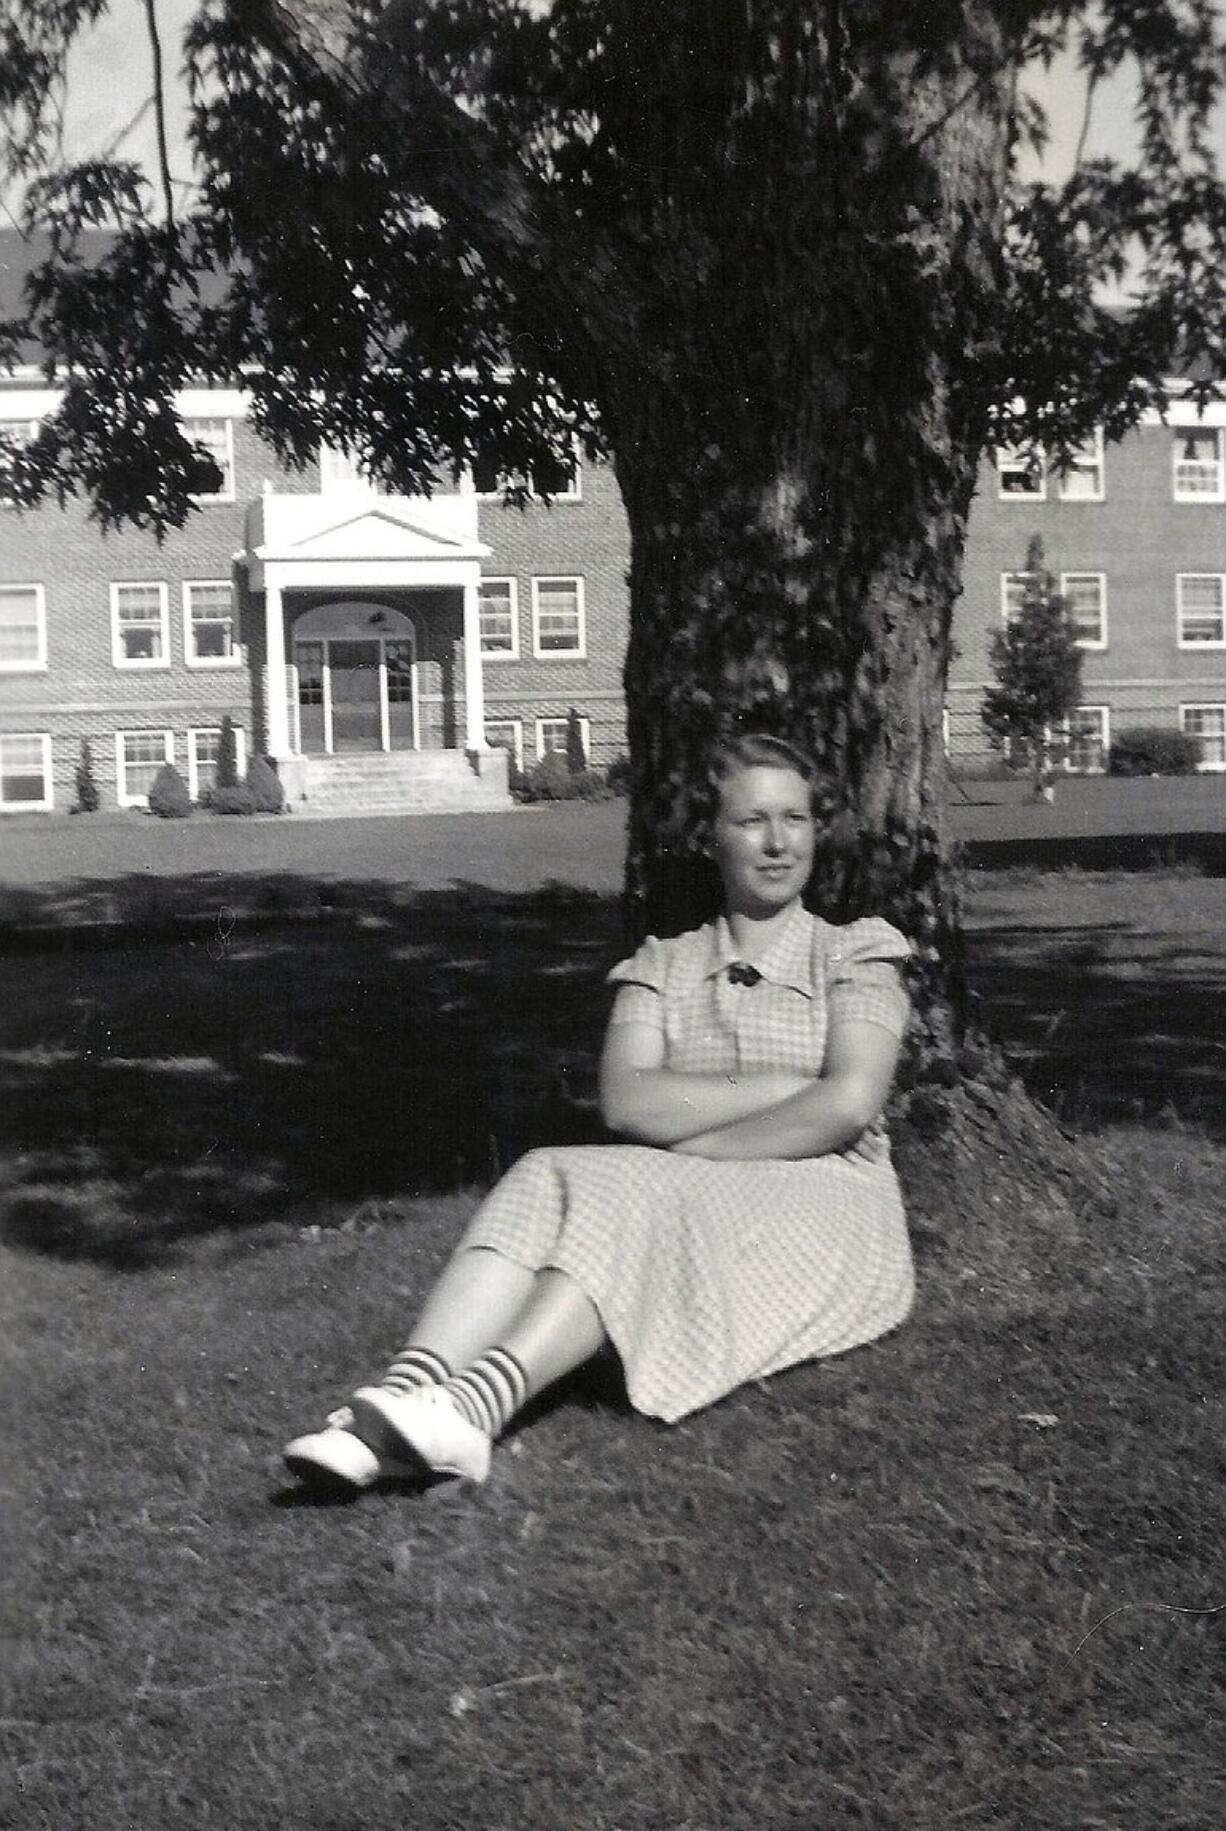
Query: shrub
88	798
235	800
1153	750
576	755
265	785
227	756
617	775
551	780
168	794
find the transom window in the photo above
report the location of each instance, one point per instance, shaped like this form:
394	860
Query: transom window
138	757
342	473
1199	472
499	619
1021	473
557	617
1085	597
216	436
203	750
25	773
1207	724
1089	735
1200	606
139	634
23	629
551	735
508	734
208	616
1083	480
14	436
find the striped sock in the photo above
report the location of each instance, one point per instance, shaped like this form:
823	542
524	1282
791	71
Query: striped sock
414	1367
491	1391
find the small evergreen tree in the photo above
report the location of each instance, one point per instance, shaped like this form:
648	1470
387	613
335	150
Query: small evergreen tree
169	798
265	786
576	755
227	756
88	798
1037	665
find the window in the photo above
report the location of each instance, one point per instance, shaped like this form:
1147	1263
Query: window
203	746
138	757
23	629
1012	590
208	624
398	658
551	735
217	438
1085	597
1021	474
25	773
341	473
1088	735
139	633
14	434
499	605
557	617
1083	481
1207	724
508	734
1199	604
1197	456
560	481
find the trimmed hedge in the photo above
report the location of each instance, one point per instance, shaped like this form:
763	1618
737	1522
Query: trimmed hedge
265	785
169	798
1153	750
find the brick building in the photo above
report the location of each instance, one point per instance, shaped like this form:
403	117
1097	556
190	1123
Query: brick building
376	645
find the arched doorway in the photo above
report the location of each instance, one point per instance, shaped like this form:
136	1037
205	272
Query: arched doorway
356	666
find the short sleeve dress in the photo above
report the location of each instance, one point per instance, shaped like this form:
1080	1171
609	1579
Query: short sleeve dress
708	1274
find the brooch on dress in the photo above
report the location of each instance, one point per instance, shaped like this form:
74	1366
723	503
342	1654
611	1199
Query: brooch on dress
741	973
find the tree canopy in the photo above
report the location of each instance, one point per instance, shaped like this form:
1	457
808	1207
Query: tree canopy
423	226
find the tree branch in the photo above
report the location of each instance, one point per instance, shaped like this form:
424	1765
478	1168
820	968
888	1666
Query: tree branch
159	112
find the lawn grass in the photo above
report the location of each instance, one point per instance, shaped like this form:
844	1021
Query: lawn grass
964	1577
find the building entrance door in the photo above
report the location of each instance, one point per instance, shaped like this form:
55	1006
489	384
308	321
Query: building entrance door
357	719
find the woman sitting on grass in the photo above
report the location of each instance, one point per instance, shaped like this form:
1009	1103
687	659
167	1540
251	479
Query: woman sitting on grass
753	1221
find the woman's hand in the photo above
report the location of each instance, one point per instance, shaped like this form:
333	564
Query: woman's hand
824	1115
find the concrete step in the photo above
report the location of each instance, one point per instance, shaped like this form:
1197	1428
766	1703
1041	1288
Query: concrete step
410	782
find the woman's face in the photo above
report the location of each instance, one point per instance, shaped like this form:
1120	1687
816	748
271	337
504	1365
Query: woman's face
763	838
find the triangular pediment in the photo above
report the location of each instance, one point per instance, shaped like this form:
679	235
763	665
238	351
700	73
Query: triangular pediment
380	533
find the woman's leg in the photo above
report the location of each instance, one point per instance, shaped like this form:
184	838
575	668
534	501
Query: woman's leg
476	1298
555	1331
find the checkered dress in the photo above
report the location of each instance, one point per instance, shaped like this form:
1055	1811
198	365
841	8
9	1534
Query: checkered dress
707	1274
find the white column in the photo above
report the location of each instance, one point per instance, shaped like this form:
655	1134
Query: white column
474	676
274	671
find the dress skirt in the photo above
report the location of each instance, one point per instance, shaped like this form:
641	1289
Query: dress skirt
707	1274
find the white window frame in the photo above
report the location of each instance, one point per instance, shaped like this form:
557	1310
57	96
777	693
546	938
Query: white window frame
19	431
39	664
585	729
341	474
1204	705
1104	725
235	658
1015	460
579	652
1218	492
229	485
515	729
194	735
1022	579
122	796
504	654
1088	460
573	494
140	664
1214	642
47	804
1099	643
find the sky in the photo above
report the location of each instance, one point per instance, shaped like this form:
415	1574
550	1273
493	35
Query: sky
110	83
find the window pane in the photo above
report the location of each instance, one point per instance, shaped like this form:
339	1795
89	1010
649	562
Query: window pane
552	736
19	632
1207	724
497	618
22	777
1021	473
1200	608
1198	470
557	620
1012	591
214	436
138	612
1087	738
210	619
142	754
1083	595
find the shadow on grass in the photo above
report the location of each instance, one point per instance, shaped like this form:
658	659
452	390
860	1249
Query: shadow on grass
1203	852
238	1068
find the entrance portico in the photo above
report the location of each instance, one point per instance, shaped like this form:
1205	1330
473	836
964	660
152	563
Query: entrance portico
370	624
